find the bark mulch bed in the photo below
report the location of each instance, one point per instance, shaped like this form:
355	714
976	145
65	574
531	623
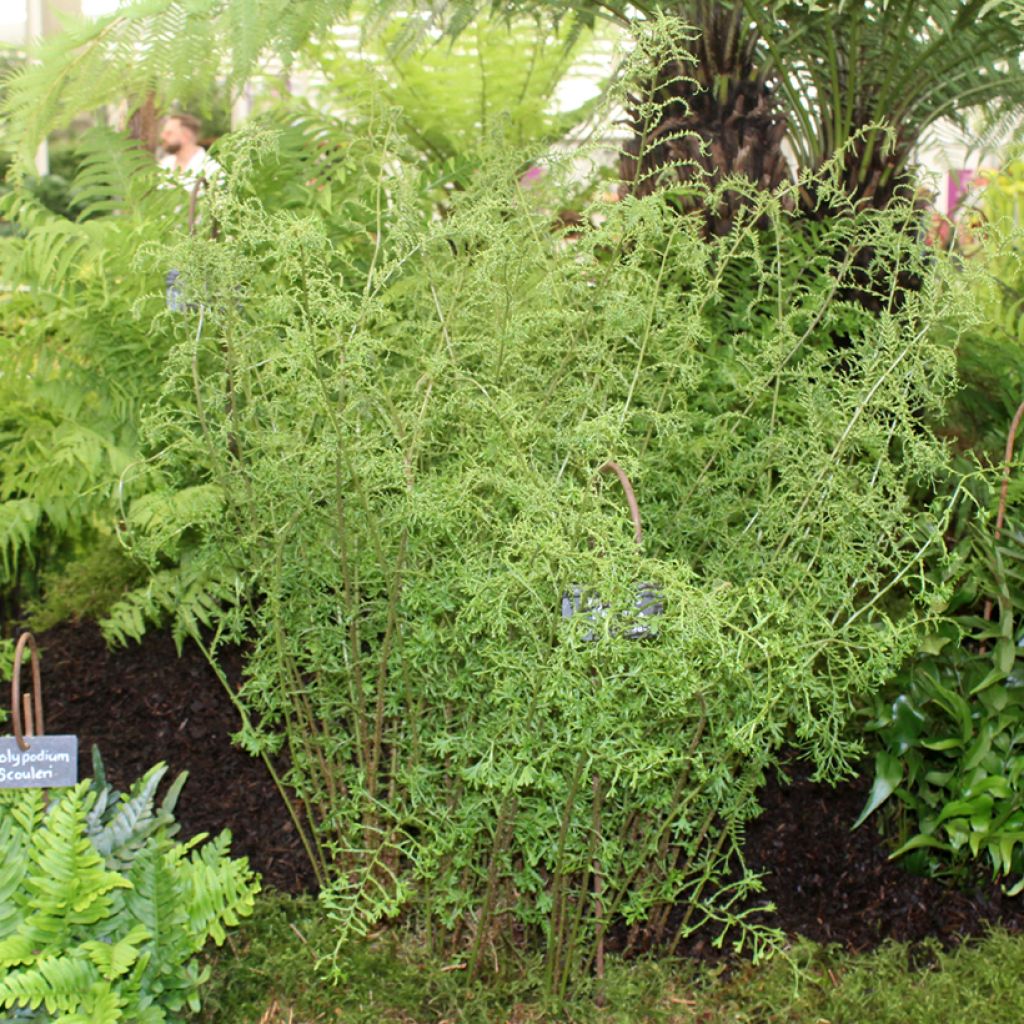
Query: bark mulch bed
145	704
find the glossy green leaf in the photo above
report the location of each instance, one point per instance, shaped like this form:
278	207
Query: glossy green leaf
994	676
995	785
959	710
888	774
934	643
946	744
1006	653
995	698
918	842
966	808
907	723
980	747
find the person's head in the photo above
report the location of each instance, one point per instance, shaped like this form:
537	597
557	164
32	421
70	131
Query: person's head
180	131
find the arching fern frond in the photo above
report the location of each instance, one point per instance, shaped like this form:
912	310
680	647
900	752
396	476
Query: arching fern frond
115	175
155	47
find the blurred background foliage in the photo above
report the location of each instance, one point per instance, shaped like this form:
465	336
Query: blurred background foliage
496	79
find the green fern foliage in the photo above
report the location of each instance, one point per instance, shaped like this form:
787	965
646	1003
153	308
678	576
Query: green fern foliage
154	47
78	360
101	912
403	428
497	77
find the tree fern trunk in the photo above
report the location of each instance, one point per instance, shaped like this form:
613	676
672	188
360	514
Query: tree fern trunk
707	118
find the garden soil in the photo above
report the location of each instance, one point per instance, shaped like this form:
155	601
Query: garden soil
145	704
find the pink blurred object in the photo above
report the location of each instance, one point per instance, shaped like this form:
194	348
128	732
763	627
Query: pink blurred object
533	175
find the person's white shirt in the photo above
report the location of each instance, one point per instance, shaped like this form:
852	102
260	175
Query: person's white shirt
202	165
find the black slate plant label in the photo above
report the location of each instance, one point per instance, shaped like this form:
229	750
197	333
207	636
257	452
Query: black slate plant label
50	761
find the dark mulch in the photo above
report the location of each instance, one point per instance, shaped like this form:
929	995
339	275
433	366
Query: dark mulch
832	884
145	704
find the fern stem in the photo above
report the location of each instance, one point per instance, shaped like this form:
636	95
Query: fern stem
312	850
558	899
382	672
502	836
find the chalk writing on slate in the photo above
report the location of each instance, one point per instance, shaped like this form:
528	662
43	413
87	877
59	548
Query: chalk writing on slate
50	761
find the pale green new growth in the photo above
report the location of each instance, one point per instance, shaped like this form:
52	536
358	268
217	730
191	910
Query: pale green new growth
403	421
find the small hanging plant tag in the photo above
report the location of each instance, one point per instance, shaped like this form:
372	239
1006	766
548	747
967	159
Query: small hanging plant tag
649	602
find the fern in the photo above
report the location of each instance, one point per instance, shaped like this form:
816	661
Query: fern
113	176
13	868
214	888
68	875
77	362
163	516
56	982
158	47
120	827
101	912
19	520
496	77
65	884
406	462
190	596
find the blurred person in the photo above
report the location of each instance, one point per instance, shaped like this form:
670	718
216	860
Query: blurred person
184	158
187	164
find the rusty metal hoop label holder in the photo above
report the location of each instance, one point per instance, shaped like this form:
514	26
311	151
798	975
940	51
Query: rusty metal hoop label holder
48	761
28	702
649	602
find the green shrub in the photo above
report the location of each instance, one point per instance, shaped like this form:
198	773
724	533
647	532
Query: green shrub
84	335
388	480
101	912
85	586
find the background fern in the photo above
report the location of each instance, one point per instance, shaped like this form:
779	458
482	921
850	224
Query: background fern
154	47
78	360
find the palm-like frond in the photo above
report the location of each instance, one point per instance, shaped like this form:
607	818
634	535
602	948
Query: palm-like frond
844	69
835	70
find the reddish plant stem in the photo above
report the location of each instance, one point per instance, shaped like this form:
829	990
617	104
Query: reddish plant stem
1001	513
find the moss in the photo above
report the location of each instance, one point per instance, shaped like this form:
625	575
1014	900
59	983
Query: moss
284	966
